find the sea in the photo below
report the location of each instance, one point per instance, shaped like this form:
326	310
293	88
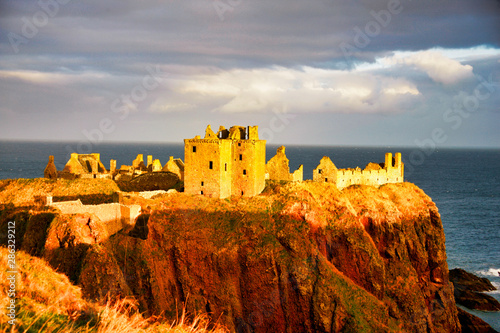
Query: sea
464	184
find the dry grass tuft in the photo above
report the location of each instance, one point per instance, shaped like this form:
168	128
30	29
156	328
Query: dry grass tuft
46	301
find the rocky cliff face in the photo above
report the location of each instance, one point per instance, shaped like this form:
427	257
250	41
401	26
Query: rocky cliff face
301	257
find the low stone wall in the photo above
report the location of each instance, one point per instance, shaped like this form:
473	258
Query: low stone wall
114	216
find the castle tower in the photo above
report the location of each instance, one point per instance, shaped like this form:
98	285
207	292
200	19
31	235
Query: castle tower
225	163
388	161
112	166
400	166
398	160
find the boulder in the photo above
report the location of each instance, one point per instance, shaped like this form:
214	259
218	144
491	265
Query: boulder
468	288
473	324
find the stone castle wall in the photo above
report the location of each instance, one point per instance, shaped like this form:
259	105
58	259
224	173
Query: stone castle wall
114	216
224	164
277	168
392	172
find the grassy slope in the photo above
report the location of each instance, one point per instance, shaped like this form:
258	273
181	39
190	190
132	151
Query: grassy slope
24	192
47	302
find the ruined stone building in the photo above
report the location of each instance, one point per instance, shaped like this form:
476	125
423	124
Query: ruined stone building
392	171
83	166
50	170
175	166
277	168
229	162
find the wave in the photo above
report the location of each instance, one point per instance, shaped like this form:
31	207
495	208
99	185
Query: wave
490	272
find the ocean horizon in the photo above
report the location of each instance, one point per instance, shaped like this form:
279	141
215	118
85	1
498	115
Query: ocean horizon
463	182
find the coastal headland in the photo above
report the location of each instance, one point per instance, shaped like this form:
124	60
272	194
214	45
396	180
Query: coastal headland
301	256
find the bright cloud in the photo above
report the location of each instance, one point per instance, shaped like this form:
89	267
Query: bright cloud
295	90
440	68
39	77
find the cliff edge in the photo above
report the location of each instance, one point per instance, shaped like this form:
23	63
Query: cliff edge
301	257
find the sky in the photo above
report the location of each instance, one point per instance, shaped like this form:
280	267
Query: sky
320	72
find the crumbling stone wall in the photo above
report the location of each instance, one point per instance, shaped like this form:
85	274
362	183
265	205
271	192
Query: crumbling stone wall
114	216
277	168
175	166
392	172
50	170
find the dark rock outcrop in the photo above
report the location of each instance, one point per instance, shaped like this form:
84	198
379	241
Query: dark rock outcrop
468	288
150	181
464	280
473	324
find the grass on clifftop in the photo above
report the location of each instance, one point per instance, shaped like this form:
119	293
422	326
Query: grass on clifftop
25	192
47	302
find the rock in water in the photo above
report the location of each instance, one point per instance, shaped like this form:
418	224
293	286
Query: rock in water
465	280
473	324
468	289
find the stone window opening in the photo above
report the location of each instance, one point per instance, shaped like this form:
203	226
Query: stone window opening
211	165
319	171
244	171
239	144
225	166
241	192
194	149
202	183
326	179
201	192
241	157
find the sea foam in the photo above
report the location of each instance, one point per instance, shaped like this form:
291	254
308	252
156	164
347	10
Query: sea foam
490	272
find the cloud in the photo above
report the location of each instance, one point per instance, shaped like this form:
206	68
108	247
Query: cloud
39	77
280	55
304	90
253	33
439	67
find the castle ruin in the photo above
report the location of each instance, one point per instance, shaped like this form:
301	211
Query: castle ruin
392	171
277	168
228	163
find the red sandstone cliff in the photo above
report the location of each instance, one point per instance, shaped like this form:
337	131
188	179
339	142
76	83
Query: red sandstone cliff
302	257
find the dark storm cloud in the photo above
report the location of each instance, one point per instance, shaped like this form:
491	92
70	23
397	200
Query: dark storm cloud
252	32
